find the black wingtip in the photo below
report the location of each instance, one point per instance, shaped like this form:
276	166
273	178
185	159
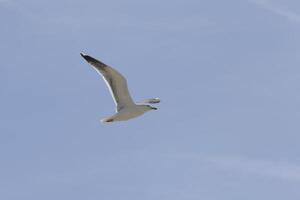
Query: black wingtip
86	57
90	59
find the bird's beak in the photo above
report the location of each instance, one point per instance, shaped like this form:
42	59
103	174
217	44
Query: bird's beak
153	108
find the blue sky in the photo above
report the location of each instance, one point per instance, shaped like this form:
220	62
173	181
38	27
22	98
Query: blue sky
227	73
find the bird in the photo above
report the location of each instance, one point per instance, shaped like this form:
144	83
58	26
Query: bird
126	108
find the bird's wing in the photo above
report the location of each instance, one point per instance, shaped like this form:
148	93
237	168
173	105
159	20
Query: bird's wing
151	101
115	82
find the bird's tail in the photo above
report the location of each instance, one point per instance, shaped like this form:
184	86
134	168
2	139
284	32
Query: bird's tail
107	120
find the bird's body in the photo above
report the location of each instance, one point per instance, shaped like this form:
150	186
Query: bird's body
117	84
127	113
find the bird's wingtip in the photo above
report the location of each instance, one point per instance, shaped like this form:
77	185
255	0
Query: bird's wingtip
91	60
86	57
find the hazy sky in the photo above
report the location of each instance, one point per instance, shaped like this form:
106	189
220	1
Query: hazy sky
228	75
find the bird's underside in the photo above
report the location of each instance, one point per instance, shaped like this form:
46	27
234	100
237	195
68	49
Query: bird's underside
117	85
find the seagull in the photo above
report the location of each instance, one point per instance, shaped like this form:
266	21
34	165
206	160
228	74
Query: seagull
125	107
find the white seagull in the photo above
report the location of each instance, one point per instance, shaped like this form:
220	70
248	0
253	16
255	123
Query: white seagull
117	85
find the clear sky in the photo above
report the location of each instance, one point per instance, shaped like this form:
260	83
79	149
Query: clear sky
228	75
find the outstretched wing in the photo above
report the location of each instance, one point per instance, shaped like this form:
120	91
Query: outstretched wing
115	82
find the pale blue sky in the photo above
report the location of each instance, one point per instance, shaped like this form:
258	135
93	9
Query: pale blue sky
228	75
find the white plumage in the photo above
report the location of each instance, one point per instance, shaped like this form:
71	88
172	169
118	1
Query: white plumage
117	85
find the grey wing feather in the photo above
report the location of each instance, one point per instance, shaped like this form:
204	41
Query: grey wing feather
116	83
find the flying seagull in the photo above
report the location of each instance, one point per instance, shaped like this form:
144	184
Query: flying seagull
117	85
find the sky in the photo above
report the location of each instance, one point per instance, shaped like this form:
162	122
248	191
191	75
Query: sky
227	73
